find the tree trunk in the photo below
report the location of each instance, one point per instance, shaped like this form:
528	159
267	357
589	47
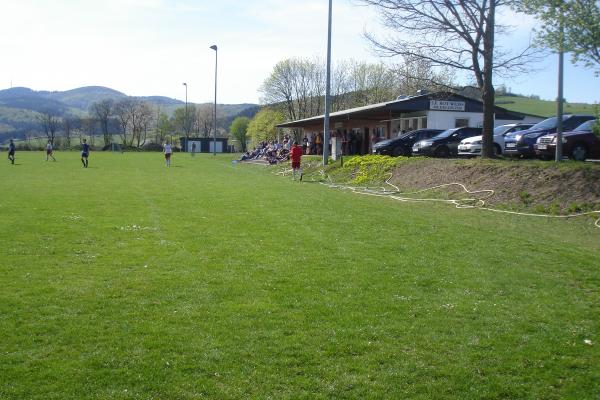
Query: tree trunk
488	97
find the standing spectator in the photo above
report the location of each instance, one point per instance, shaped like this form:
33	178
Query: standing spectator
319	141
11	152
85	153
193	149
296	156
49	151
305	145
168	151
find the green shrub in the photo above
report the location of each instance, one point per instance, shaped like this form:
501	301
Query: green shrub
371	168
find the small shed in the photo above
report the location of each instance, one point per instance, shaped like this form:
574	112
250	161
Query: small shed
204	145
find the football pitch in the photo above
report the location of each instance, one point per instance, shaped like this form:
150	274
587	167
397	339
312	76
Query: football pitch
208	279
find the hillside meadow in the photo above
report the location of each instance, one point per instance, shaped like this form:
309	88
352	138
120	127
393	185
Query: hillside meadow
209	279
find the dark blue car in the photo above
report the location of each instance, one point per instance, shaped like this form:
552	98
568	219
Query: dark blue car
521	143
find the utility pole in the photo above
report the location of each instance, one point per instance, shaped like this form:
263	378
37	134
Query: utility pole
327	91
559	103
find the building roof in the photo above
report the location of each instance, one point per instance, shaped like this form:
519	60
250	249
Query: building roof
392	109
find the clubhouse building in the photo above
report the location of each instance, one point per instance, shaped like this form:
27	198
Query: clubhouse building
369	124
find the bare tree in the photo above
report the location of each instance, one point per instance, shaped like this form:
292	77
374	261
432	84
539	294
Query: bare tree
451	33
415	74
141	122
205	119
50	124
87	127
102	111
121	110
69	124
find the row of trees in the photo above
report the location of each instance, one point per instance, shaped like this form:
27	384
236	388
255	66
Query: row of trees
136	122
296	87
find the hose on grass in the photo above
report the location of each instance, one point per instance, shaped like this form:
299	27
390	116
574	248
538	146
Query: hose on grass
476	202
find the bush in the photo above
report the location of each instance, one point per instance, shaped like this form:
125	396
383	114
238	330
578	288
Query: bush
371	168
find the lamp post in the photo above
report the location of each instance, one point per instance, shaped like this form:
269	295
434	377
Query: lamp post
185	124
214	47
327	93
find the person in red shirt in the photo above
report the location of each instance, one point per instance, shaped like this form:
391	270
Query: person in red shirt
296	156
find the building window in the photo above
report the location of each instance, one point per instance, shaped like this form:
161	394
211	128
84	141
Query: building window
460	122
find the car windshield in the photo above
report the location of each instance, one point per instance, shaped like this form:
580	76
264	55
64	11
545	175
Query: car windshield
549	123
385	142
445	134
587	126
499	130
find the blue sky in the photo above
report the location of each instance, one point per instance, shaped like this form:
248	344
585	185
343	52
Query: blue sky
150	47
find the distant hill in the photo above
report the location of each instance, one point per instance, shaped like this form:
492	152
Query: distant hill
82	98
543	108
529	104
19	106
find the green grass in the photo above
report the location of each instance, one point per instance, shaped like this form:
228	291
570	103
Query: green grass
129	280
542	108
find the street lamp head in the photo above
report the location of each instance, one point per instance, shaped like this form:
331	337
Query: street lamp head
184	84
214	47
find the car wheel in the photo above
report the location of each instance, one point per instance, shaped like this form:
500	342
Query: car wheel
497	150
397	151
442	151
579	152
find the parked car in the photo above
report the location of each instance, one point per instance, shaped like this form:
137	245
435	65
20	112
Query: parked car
402	145
578	144
446	143
472	146
521	143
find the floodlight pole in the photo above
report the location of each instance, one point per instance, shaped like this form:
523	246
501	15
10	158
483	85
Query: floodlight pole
327	91
185	126
559	103
214	47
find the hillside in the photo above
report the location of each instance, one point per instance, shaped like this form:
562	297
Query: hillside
543	108
19	106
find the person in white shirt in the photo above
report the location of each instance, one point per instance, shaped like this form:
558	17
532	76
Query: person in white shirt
49	151
168	151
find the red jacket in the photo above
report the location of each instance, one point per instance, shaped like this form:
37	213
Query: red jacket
296	153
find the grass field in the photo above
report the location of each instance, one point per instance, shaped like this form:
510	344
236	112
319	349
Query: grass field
129	280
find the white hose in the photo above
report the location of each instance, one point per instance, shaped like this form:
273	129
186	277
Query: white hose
471	203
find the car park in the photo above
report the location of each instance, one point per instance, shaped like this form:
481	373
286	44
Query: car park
521	143
403	144
579	144
446	143
472	146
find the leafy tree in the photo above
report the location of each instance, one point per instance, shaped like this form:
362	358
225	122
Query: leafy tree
263	125
569	26
184	122
164	127
239	130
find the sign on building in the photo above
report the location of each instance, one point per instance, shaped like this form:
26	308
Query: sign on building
442	105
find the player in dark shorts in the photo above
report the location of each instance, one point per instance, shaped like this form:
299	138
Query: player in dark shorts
11	152
85	153
49	151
